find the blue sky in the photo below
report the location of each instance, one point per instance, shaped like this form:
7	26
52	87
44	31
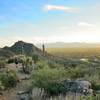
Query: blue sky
39	21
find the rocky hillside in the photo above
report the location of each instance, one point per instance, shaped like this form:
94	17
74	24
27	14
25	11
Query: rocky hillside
20	47
6	53
28	49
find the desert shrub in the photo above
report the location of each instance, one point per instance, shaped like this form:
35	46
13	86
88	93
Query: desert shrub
11	60
97	97
3	58
18	57
95	86
94	80
2	63
41	64
35	57
8	79
28	64
48	79
75	73
53	64
21	58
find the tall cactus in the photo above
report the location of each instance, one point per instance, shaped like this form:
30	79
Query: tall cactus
43	47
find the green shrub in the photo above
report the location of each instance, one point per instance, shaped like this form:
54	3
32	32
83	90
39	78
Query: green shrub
41	64
48	79
95	81
95	85
35	57
53	64
11	60
8	79
75	73
2	63
97	97
28	65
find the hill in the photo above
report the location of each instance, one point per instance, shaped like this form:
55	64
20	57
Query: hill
6	53
28	49
20	47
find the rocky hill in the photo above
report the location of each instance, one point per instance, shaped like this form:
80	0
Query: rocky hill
28	49
6	53
20	47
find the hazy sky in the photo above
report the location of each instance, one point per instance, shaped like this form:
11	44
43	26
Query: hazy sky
49	21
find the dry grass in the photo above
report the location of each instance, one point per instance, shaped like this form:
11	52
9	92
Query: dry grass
75	52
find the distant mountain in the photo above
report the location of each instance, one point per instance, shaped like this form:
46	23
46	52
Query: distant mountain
20	47
69	45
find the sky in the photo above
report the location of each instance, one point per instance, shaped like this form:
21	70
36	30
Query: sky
45	21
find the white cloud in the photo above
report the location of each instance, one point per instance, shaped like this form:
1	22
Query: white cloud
62	8
85	24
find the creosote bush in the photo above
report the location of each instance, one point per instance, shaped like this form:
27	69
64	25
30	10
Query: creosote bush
2	64
8	79
35	57
48	78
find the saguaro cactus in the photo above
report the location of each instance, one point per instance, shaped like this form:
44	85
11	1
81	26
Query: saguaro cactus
43	47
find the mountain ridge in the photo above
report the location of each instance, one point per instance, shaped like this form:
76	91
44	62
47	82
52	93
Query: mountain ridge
20	47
